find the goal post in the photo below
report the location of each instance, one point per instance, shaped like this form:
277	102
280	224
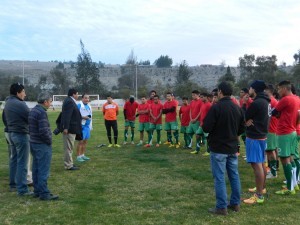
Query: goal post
58	101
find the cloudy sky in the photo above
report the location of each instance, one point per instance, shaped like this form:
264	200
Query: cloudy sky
198	31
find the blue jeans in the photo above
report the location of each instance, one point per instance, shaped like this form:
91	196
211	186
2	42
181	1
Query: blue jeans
220	163
18	161
41	160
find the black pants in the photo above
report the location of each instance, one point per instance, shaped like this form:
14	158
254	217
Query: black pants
114	125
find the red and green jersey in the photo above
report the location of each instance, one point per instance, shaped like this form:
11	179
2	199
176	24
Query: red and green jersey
170	116
156	109
195	107
288	107
184	114
203	112
273	120
143	118
248	103
130	110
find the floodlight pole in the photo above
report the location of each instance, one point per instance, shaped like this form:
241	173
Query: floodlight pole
23	72
136	87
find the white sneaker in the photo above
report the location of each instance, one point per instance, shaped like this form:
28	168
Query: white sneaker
124	143
270	176
284	182
132	142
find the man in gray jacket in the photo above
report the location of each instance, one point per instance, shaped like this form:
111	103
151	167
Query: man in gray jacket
16	115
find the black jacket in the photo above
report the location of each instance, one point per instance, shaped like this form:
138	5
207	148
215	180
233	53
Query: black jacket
259	111
70	117
224	122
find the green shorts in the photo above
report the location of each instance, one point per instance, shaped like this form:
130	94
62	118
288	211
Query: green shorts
171	125
296	155
155	126
143	126
130	124
272	142
201	132
183	129
193	127
287	144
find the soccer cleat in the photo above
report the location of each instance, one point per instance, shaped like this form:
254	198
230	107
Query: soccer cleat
194	152
285	192
110	145
206	154
80	159
85	157
124	143
270	176
171	146
253	190
167	143
132	142
147	145
117	146
177	146
157	145
296	187
254	199
139	144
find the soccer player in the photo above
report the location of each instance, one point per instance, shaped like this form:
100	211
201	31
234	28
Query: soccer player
151	97
272	142
257	122
224	122
244	98
130	108
184	117
110	113
195	106
200	134
171	124
287	110
143	112
155	120
86	123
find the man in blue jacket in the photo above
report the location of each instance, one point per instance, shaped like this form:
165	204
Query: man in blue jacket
224	122
41	146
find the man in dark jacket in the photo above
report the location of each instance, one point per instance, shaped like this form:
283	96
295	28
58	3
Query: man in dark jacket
224	123
41	146
16	116
257	118
70	126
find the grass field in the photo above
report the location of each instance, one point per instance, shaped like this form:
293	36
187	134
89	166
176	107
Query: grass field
133	185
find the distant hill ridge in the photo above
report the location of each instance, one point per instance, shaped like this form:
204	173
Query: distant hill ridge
205	75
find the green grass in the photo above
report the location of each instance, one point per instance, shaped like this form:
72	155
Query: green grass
134	185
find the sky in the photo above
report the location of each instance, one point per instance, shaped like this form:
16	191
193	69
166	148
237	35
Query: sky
198	31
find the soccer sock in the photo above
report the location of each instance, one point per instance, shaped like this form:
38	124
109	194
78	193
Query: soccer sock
190	138
169	134
158	136
125	135
176	136
116	139
150	134
297	162
109	139
294	178
185	135
198	143
132	135
287	168
272	166
277	164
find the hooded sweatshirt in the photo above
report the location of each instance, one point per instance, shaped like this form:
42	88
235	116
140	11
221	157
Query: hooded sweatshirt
260	112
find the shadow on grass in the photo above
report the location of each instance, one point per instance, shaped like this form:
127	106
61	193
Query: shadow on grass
151	157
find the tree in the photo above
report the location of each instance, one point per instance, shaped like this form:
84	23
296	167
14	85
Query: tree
145	63
60	79
228	76
265	68
184	73
246	65
131	59
297	57
164	61
87	78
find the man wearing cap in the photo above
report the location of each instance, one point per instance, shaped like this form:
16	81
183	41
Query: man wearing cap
257	118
